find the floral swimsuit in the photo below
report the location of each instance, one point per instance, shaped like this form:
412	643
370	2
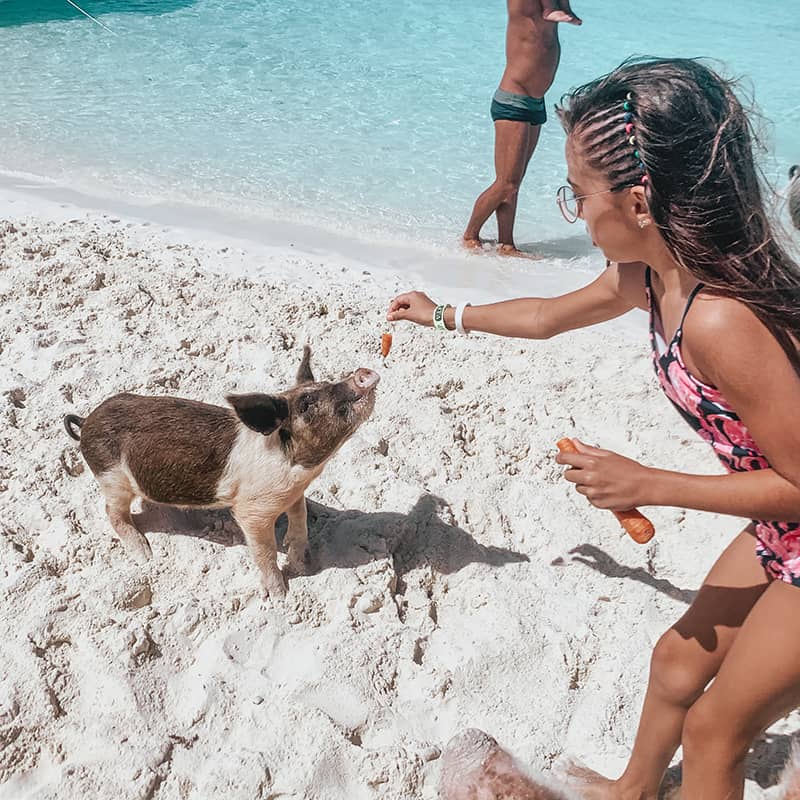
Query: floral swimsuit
708	413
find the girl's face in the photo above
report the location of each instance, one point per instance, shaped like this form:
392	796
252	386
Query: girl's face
612	218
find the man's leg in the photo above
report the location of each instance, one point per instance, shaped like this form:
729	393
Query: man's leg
514	147
511	147
507	211
684	660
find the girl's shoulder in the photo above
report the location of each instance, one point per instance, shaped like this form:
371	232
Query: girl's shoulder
722	335
713	315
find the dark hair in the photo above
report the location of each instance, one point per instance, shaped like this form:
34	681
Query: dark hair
695	143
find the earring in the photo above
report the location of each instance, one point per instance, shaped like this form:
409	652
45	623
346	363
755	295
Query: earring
644	222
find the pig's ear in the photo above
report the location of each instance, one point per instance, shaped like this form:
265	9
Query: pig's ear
304	374
260	412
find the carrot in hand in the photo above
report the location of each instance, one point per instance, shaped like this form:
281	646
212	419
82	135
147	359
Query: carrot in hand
639	528
386	344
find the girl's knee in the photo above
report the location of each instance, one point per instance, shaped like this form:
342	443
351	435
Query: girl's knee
708	732
674	671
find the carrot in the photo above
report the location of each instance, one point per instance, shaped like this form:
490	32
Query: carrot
639	528
386	344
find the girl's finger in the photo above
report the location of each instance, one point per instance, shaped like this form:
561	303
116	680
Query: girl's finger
397	314
575	476
577	460
587	449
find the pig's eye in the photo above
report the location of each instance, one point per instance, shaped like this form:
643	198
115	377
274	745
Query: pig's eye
342	409
305	402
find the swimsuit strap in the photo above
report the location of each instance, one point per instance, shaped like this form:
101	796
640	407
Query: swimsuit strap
697	289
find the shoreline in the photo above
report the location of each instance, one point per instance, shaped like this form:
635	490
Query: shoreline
458	273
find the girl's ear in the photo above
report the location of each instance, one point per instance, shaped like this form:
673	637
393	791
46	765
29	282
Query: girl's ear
639	209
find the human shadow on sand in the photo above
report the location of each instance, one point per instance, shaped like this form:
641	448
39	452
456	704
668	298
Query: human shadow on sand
568	247
764	763
24	12
599	560
339	538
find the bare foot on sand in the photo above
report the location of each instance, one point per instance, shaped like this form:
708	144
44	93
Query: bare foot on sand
475	767
588	784
473	244
512	252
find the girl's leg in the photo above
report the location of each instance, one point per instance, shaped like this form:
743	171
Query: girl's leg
685	659
758	683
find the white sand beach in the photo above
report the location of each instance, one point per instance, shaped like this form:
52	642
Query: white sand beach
457	579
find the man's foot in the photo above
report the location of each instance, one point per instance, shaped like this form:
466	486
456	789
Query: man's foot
510	250
473	243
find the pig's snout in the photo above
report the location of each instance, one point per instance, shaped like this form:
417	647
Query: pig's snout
364	380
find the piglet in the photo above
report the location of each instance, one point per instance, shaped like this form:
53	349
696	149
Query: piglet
257	457
475	767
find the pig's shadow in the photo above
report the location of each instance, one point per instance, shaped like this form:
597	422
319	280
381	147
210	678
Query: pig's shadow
348	538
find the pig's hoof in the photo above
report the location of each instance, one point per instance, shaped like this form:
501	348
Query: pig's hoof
297	562
139	550
275	588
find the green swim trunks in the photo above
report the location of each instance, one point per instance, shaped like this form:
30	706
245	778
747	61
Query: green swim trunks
518	108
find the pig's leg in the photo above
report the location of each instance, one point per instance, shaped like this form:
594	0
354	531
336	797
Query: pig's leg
475	767
297	536
118	492
259	532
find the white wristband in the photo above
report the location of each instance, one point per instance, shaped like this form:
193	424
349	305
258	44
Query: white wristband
460	318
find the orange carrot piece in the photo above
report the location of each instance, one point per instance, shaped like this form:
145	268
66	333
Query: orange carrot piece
386	344
638	527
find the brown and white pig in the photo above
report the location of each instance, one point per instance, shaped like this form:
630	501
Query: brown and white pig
257	457
475	767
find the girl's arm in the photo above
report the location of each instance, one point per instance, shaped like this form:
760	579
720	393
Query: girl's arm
610	480
727	346
619	289
760	494
736	352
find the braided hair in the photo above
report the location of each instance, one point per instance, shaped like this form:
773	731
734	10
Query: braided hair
691	145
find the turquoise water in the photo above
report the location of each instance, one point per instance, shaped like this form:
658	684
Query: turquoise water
370	117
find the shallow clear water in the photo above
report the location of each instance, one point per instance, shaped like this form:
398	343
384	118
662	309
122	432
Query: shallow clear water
366	116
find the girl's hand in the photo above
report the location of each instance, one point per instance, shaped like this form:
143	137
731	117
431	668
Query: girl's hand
414	307
608	480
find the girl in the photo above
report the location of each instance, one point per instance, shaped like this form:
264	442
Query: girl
661	170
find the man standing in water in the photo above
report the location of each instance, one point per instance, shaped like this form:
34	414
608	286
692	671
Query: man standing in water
518	111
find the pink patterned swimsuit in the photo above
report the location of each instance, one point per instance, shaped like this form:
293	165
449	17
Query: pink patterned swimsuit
708	413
